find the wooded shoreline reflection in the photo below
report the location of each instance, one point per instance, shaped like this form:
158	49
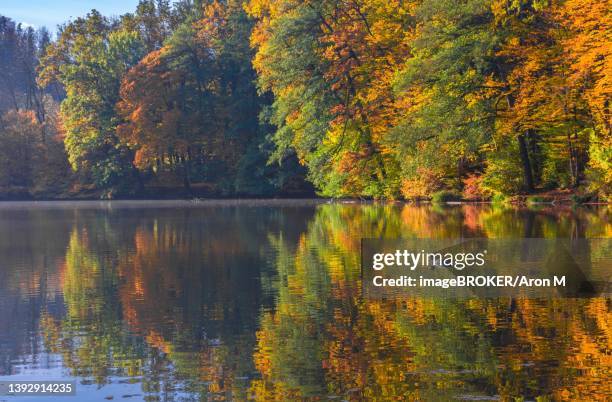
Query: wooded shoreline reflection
265	303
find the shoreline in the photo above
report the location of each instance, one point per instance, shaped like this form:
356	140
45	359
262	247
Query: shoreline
279	201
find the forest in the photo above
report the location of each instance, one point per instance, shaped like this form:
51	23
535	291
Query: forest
393	99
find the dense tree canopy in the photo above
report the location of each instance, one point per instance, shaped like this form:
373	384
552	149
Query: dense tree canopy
89	60
420	96
382	99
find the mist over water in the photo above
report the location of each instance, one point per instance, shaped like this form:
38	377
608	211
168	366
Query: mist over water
262	300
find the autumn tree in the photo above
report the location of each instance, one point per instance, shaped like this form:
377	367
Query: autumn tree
166	101
588	52
381	99
448	114
32	160
329	66
89	59
192	108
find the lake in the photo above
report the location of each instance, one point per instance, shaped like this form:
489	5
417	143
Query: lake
236	300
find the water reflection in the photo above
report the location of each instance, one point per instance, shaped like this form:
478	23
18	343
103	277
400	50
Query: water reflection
257	301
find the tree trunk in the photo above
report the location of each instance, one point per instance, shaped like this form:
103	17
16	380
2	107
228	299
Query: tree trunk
186	177
534	157
527	171
572	161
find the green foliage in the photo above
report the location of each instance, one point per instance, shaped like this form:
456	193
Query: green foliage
453	54
89	60
293	72
599	170
191	108
578	199
377	99
534	199
504	173
445	196
500	199
555	174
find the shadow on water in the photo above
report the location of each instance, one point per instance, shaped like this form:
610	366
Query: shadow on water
263	301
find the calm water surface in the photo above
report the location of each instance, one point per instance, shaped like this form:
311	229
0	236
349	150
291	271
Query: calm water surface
262	300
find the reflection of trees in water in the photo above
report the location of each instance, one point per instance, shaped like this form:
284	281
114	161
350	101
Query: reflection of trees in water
322	337
29	279
90	337
266	302
170	297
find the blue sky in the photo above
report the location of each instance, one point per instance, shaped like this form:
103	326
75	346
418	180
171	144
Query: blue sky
50	13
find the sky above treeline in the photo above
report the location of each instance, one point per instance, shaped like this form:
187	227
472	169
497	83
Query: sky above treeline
51	13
